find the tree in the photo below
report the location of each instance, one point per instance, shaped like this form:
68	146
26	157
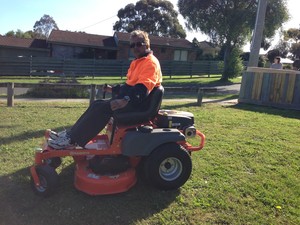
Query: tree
19	34
295	50
157	17
292	37
281	49
292	34
10	33
44	26
230	23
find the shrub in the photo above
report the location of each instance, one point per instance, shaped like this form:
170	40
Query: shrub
235	64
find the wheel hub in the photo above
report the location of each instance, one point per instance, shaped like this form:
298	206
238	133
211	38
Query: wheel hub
170	169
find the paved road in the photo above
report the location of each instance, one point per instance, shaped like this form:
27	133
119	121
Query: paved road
230	89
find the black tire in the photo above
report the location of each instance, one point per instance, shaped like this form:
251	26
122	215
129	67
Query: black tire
53	162
168	167
140	170
48	181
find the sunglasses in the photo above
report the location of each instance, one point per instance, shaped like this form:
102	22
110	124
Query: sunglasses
137	44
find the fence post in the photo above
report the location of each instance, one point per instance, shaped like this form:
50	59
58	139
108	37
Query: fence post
10	94
171	62
30	69
93	93
200	96
122	69
209	68
191	69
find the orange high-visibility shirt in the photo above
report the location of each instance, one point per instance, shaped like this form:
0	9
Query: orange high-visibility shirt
146	71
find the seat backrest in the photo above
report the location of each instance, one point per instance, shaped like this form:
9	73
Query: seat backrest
151	104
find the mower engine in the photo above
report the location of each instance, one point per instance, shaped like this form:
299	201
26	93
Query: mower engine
180	120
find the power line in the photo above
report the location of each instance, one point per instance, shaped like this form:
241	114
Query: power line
98	22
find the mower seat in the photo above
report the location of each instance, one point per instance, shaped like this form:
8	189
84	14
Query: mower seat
153	102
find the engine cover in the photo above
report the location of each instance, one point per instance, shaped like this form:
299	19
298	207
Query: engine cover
174	119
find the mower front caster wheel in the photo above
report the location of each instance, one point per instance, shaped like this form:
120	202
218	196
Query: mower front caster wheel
168	167
48	181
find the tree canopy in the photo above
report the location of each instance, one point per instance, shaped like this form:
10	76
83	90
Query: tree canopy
292	34
20	34
281	49
157	17
43	27
231	22
292	37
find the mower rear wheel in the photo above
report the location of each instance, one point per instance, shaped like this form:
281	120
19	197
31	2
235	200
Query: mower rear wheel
48	181
168	167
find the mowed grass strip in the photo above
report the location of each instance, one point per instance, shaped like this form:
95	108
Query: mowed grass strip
248	172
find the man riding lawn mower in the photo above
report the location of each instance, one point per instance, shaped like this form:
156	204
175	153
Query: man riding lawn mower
138	136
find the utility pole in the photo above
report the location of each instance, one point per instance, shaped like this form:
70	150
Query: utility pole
258	32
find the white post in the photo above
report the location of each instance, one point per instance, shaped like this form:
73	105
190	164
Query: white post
258	32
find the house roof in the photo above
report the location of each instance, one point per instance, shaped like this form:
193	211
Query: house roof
156	40
205	44
81	38
22	42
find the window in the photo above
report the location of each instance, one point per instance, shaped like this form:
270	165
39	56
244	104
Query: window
180	55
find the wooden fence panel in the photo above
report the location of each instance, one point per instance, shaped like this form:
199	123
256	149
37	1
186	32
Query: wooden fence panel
271	87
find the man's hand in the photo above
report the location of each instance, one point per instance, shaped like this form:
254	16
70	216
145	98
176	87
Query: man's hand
118	104
107	88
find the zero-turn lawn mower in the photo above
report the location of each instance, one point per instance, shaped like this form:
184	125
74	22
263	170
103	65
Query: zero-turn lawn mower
153	143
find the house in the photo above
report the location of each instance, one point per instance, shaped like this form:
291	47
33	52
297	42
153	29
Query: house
23	47
81	45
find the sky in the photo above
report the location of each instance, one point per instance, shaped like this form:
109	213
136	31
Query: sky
90	16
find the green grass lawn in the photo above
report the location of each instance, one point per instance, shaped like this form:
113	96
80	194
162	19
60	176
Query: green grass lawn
248	172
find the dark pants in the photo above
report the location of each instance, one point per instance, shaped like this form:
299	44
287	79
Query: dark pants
91	122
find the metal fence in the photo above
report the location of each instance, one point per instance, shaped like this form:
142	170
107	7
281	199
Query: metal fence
41	66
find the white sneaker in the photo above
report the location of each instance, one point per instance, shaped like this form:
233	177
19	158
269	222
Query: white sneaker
54	135
61	143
